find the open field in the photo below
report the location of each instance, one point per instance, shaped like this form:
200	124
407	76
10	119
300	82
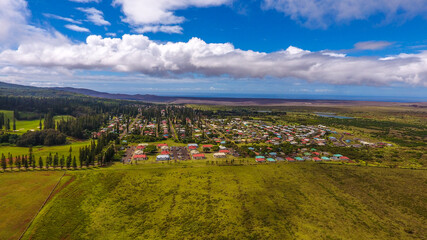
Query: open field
275	201
21	196
22	126
43	151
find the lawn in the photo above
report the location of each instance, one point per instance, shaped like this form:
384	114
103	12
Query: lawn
269	201
21	196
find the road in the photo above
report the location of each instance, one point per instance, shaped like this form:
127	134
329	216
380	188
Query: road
130	126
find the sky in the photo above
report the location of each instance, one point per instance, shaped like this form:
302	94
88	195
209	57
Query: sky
324	49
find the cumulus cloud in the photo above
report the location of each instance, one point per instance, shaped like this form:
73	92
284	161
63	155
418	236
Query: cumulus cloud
76	28
322	13
372	45
95	16
158	15
137	53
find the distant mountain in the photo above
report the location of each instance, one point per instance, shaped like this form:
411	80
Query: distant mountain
19	90
137	97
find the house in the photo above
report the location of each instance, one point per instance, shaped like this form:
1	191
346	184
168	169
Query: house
199	156
299	159
280	159
344	158
271	160
325	159
260	158
316	159
163	157
289	159
160	145
139	157
207	146
224	151
219	155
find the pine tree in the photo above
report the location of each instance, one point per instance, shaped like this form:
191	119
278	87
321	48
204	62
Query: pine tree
7	126
14	123
18	162
40	123
3	162
30	156
25	161
10	161
55	160
1	120
61	162
74	162
40	163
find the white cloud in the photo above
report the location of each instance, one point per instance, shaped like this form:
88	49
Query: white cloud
160	28
49	15
15	28
137	53
322	13
154	14
76	28
111	34
372	45
95	16
85	1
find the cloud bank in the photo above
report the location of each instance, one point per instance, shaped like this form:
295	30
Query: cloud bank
139	54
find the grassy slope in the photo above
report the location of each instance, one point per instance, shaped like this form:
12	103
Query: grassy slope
21	196
280	201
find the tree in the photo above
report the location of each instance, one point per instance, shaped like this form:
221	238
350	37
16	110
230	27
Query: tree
30	156
55	160
40	123
3	162
7	126
14	123
18	162
74	162
61	162
40	163
25	161
10	158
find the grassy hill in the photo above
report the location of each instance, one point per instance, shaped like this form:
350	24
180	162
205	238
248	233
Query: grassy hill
279	201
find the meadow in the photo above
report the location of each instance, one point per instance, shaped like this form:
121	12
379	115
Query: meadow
21	195
22	126
267	201
43	151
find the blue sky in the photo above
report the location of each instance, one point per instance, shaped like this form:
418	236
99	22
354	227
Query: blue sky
369	51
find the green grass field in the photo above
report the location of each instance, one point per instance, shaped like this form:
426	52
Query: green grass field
275	201
43	151
28	125
21	196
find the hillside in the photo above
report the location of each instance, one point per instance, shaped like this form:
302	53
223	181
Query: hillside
281	201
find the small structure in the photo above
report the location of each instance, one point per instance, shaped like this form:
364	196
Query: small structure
219	155
165	157
260	158
139	157
271	160
199	156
